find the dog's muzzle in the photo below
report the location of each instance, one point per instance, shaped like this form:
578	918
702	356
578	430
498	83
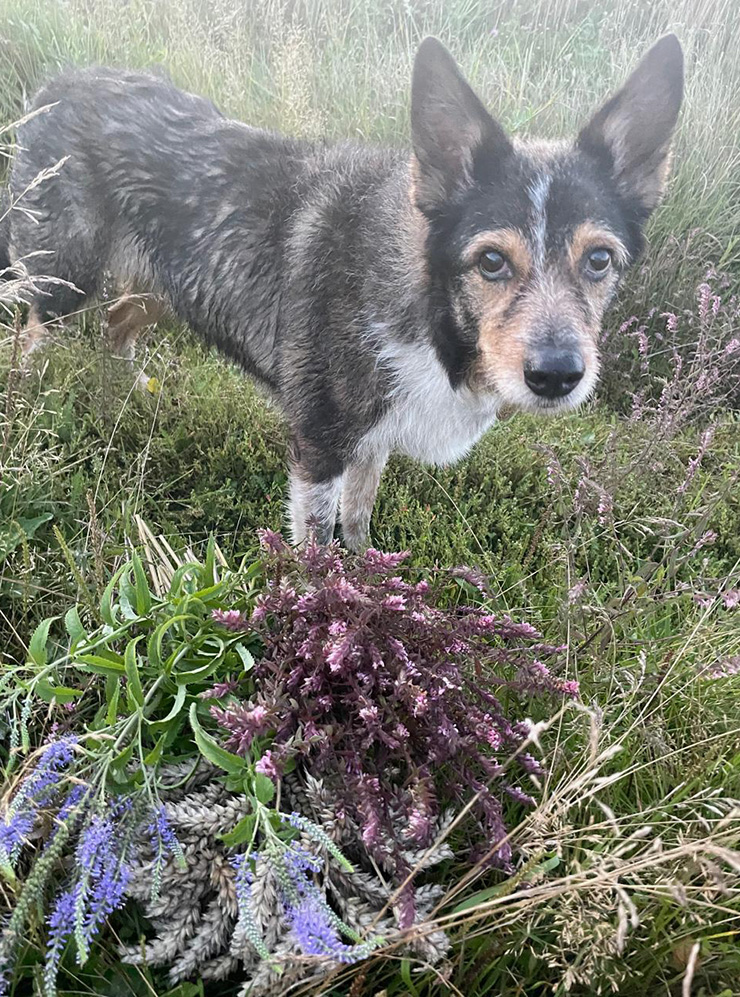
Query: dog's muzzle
553	372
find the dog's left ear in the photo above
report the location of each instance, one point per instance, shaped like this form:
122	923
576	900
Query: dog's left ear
454	136
631	133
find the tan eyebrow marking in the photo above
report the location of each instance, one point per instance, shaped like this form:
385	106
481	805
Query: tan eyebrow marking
588	236
508	241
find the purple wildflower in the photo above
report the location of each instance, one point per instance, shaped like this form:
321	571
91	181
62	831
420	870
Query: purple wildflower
162	834
726	668
704	295
35	792
268	766
577	591
370	680
707	538
693	465
317	936
731	598
103	880
232	619
220	689
60	924
244	722
474	577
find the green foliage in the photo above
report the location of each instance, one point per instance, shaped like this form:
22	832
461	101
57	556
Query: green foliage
134	670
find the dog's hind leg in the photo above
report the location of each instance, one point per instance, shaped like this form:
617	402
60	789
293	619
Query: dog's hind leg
127	319
313	506
359	488
33	335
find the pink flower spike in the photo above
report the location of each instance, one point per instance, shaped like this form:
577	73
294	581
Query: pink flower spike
267	766
232	619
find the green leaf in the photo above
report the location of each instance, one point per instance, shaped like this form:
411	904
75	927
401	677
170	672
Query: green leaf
127	596
134	692
481	897
154	647
179	577
242	832
123	758
37	646
143	595
209	572
106	602
61	693
264	787
112	695
210	750
157	725
406	976
156	753
98	664
73	626
245	655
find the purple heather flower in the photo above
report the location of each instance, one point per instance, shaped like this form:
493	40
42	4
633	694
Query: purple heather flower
731	598
671	321
726	668
708	537
576	592
267	766
381	563
220	689
371	679
232	619
704	296
473	577
271	541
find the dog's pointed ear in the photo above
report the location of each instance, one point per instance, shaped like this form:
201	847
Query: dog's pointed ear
450	127
632	132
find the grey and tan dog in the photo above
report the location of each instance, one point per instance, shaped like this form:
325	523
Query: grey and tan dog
390	301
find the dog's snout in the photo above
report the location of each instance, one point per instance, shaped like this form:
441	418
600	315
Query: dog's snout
553	372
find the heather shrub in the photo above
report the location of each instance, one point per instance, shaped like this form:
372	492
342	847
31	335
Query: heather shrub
675	366
396	702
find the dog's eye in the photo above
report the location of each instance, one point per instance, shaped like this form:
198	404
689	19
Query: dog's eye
598	262
493	265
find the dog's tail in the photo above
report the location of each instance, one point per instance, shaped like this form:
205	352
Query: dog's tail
5	261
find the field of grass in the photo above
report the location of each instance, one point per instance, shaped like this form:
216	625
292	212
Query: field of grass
615	531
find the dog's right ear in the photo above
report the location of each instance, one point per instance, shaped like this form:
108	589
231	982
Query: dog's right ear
452	132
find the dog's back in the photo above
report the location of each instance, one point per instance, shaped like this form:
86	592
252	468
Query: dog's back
155	186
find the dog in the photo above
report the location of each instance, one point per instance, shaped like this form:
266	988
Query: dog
389	300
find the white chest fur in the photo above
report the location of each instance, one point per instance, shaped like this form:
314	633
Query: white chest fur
427	419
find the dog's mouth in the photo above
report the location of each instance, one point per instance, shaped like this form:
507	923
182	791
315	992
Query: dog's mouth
514	395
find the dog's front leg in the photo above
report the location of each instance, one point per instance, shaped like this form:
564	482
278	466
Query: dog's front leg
359	487
313	506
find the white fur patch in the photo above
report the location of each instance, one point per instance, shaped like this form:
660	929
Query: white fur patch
538	192
428	419
312	501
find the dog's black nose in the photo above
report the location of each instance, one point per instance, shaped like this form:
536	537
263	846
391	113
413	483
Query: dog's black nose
553	372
